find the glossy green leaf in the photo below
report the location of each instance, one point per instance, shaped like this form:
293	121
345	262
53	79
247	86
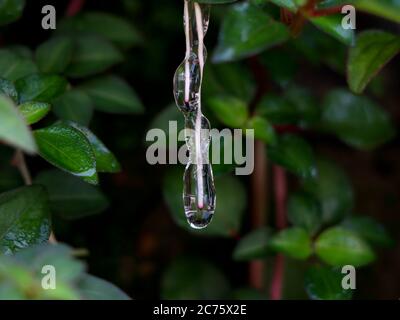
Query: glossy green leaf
54	55
229	211
246	30
369	229
39	87
10	10
229	110
13	127
122	33
92	55
254	245
112	94
277	109
74	105
304	211
263	130
356	120
193	278
69	196
293	242
388	9
294	154
332	25
105	159
288	4
323	283
14	67
373	50
333	190
8	89
24	218
68	149
338	247
93	288
34	111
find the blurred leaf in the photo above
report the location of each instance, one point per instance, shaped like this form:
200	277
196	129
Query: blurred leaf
332	25
10	10
288	4
356	120
294	154
21	51
323	283
74	105
13	128
254	245
277	109
105	159
369	229
293	242
246	31
333	190
282	65
112	94
93	288
373	50
54	55
248	294
7	88
215	1
39	87
24	218
338	247
34	111
305	104
229	211
193	278
92	55
13	67
263	130
112	27
69	196
229	110
68	149
304	211
388	9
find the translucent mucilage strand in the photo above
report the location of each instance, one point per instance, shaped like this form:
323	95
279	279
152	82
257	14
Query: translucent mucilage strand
199	192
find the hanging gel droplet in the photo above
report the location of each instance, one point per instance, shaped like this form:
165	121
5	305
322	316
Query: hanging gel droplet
199	192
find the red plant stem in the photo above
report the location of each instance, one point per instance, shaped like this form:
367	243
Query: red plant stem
325	12
280	186
74	7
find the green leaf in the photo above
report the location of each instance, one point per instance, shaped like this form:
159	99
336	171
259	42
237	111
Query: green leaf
112	94
93	288
193	279
74	105
14	67
229	211
105	159
332	25
356	120
24	218
338	247
122	33
295	154
34	111
92	55
263	130
54	55
7	88
293	242
70	197
248	294
288	4
39	87
388	9
277	109
246	30
253	246
324	283
68	149
10	10
373	50
13	128
229	110
304	211
333	190
369	229
215	1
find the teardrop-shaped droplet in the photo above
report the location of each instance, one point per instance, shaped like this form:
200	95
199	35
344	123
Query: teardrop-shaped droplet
199	195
